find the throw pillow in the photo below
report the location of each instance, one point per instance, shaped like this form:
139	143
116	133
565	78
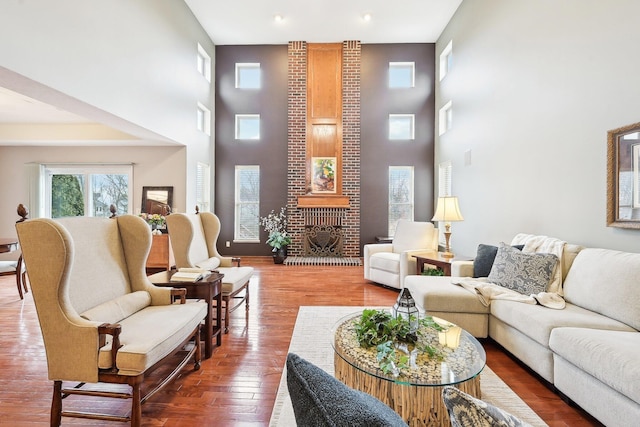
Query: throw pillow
321	400
526	273
485	256
465	410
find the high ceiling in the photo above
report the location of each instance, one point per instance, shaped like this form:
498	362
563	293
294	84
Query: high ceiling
253	21
244	22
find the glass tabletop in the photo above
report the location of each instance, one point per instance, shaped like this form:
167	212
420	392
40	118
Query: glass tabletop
460	355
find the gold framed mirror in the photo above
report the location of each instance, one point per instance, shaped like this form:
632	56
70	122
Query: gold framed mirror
623	177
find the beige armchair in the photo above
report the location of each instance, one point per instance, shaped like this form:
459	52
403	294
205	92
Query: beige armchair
101	319
193	239
389	263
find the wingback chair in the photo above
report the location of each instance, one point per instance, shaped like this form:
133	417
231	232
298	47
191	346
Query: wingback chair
193	239
389	263
101	319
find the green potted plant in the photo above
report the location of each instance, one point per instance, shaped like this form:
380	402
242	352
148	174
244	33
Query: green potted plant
276	225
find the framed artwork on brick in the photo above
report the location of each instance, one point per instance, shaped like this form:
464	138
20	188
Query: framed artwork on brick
323	177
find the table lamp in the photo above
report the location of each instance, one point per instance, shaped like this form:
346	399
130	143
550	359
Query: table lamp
447	210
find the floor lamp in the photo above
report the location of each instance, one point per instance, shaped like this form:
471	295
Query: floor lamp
447	210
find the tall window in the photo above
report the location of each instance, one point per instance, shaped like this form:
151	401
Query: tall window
204	63
446	59
87	190
400	195
247	204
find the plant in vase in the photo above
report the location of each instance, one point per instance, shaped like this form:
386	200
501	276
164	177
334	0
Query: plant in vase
276	225
155	221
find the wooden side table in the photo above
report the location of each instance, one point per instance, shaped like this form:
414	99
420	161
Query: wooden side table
209	288
436	258
160	255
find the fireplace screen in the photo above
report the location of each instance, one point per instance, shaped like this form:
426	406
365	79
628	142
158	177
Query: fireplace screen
323	240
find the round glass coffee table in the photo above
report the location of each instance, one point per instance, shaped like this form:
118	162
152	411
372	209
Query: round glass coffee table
415	393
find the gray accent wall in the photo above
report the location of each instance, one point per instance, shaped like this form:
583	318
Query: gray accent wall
377	151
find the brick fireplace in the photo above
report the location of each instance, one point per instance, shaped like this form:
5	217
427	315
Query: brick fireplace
332	220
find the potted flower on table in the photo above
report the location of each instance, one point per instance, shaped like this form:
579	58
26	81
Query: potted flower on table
157	222
276	225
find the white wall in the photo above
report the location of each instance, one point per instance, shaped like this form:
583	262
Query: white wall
130	65
535	86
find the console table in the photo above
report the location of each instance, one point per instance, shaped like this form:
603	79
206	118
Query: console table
208	289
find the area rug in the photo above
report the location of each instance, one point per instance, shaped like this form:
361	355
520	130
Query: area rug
319	260
311	340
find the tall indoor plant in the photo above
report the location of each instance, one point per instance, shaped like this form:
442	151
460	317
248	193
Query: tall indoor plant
276	225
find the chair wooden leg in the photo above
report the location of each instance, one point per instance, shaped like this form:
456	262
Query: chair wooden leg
226	315
136	405
56	404
18	282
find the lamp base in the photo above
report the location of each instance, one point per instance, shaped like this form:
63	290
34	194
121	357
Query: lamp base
447	249
447	254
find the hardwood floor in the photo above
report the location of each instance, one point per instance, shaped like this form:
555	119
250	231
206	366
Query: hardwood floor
237	386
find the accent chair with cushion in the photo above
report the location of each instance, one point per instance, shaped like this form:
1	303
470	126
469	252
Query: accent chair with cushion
102	321
193	239
389	263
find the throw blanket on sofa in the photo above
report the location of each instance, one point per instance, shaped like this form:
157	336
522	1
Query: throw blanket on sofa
552	298
544	244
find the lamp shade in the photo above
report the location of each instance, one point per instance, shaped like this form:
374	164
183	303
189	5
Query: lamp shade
447	210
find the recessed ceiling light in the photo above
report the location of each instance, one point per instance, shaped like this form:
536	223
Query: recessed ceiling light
366	17
277	17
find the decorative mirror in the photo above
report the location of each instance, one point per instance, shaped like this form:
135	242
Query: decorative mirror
157	200
623	177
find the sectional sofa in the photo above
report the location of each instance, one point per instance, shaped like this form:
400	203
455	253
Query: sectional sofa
589	350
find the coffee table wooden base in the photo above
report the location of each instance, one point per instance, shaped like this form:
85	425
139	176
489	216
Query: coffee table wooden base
417	405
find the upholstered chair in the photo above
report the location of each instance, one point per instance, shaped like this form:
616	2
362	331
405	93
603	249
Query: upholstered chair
101	319
389	263
193	239
10	267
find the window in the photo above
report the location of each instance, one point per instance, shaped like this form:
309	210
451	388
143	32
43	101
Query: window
247	204
401	74
248	76
446	58
204	63
400	195
401	126
247	126
204	119
202	186
87	190
445	118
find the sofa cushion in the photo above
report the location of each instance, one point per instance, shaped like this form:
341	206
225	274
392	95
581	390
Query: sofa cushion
234	278
609	356
465	410
525	273
385	261
437	293
118	308
537	322
319	399
606	281
151	334
485	256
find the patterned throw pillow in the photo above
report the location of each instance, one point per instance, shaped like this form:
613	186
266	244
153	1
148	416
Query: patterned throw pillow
526	273
484	259
465	410
319	399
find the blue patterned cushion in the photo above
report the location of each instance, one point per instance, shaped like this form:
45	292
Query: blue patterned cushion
465	411
321	400
526	273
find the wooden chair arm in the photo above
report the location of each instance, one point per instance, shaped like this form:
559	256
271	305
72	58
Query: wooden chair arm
236	259
179	292
114	330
